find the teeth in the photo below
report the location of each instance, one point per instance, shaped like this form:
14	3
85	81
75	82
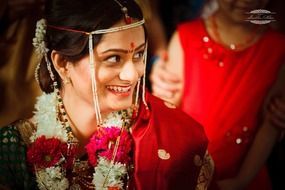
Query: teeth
119	89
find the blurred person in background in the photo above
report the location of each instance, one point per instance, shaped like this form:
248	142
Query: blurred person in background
219	71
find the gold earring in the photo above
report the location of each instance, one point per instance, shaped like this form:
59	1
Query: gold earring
67	81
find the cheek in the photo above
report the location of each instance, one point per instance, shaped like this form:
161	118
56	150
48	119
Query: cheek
81	80
225	7
105	75
140	69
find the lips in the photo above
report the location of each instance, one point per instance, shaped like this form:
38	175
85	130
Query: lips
123	90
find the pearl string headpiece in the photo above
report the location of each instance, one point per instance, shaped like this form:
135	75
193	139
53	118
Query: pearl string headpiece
41	49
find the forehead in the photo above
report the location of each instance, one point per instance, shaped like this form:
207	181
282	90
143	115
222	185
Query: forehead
123	38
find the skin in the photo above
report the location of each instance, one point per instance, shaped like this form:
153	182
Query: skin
231	25
119	64
167	75
235	10
276	112
167	81
266	137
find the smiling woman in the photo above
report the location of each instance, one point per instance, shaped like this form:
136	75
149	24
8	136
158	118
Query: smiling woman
120	65
95	126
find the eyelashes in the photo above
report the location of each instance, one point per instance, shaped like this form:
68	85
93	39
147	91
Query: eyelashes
139	55
114	59
120	57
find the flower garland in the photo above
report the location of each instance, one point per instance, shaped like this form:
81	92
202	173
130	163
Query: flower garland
53	156
38	40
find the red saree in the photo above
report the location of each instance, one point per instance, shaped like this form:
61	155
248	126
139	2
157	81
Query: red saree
169	148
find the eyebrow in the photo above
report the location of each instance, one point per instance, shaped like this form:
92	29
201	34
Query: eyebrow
123	50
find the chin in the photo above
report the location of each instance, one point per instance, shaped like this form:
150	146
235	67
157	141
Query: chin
239	18
124	105
114	102
116	105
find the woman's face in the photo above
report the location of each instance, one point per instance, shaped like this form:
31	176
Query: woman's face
237	9
119	64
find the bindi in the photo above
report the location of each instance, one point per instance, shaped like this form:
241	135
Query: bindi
132	47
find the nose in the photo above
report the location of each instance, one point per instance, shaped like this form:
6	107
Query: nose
129	72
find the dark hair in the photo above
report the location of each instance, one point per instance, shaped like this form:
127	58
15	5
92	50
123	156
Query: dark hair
83	15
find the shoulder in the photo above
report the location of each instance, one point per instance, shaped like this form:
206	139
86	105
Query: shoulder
175	120
9	134
170	139
13	144
191	31
16	132
14	139
166	108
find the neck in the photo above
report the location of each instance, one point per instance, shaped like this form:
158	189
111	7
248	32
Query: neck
225	30
81	117
226	23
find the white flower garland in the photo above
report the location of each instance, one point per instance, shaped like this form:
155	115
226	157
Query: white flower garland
46	118
103	169
39	39
47	125
53	178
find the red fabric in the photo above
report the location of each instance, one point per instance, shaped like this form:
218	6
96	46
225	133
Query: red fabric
179	135
226	100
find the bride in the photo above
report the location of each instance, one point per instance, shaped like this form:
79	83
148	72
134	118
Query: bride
95	126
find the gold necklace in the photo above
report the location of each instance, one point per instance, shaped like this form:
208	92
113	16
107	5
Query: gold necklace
78	174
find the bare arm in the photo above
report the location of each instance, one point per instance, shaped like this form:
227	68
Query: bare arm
167	75
264	140
255	159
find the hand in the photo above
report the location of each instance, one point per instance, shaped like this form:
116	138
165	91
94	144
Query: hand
229	184
276	112
165	84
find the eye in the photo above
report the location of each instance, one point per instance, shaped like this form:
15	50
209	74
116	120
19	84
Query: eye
113	59
138	55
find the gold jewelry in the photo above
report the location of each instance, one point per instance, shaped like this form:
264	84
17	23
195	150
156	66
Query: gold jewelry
67	81
128	25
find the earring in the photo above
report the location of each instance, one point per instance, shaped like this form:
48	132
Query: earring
67	81
59	103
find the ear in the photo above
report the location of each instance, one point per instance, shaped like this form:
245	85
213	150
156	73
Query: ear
60	64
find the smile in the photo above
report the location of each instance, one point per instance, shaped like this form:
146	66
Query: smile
119	89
